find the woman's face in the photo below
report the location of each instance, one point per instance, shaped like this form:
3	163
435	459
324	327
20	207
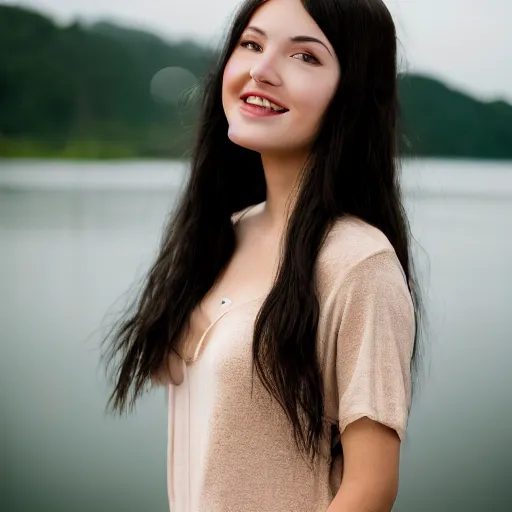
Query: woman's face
284	57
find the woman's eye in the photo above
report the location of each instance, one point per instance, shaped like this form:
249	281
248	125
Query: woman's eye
306	57
250	45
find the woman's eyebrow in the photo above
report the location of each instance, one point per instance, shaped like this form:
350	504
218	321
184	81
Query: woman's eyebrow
309	39
295	39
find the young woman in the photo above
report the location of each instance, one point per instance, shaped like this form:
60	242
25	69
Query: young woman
281	311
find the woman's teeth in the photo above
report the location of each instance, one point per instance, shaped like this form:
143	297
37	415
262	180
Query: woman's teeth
263	102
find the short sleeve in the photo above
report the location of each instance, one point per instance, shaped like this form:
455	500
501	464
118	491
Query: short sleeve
374	344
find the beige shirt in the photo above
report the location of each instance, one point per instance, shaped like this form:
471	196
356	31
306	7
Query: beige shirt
233	451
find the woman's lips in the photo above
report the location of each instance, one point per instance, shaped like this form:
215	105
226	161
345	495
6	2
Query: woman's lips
257	111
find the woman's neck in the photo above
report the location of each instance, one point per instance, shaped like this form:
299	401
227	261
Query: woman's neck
281	176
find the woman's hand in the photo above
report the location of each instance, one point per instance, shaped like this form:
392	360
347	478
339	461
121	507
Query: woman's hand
171	372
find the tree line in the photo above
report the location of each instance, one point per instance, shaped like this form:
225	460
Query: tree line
96	92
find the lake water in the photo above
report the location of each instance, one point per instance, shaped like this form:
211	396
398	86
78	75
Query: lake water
74	237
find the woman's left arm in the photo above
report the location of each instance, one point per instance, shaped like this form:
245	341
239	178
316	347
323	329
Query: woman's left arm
374	346
371	454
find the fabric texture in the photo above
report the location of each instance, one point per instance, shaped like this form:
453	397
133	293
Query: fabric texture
231	446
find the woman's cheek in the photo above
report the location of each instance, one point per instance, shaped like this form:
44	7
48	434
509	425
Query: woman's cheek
229	83
234	72
315	100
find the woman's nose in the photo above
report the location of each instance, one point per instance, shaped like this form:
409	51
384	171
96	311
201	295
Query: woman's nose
264	71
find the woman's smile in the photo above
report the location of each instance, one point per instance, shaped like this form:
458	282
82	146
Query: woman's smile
258	109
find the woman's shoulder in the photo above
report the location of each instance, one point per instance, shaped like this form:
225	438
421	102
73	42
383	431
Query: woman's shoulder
356	251
252	209
352	239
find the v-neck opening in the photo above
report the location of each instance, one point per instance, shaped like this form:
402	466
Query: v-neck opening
211	323
199	344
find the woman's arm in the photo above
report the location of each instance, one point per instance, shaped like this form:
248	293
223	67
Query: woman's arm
371	455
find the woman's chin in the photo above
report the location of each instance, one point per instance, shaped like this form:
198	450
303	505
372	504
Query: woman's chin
252	143
260	142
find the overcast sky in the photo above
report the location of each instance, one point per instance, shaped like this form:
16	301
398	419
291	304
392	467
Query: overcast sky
466	43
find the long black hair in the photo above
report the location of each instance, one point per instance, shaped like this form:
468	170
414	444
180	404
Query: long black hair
352	169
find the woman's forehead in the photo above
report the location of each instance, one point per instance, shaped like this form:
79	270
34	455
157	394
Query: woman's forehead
286	18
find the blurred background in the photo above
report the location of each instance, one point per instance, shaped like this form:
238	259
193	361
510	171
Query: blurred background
96	118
